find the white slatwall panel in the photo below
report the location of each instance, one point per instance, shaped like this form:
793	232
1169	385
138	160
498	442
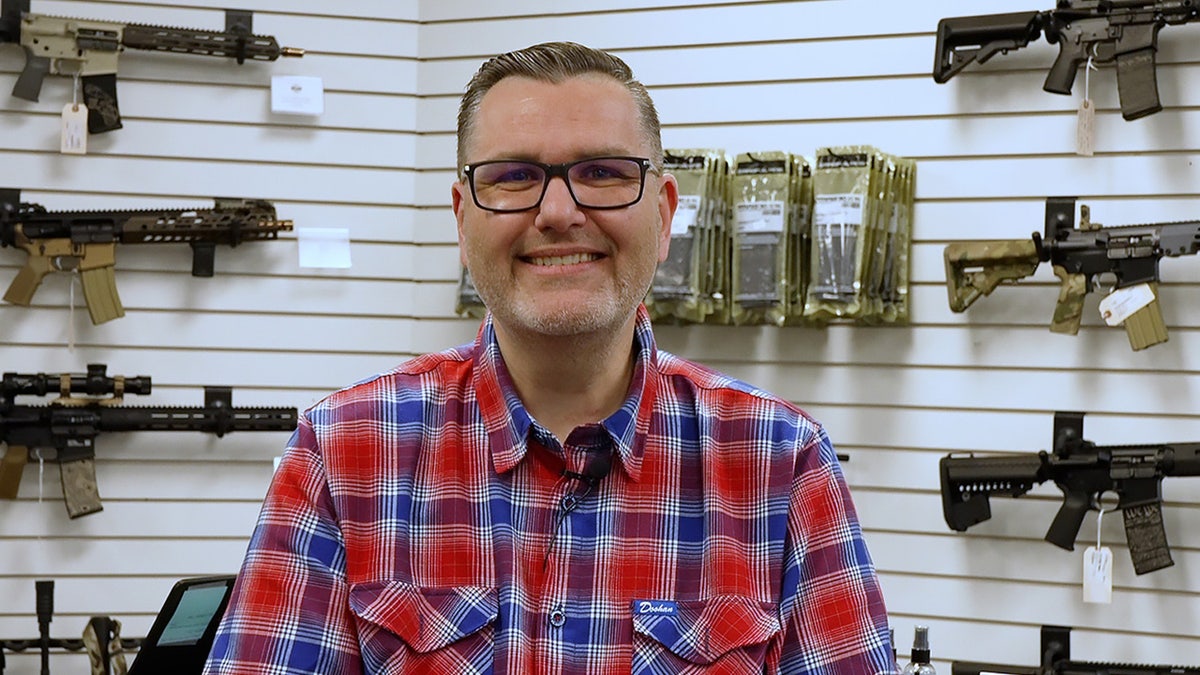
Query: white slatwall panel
745	75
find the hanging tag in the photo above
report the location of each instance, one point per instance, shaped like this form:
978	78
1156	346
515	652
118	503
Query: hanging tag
1123	302
1085	133
74	129
1085	119
1097	575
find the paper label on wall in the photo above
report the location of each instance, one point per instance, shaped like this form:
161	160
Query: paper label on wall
324	247
297	95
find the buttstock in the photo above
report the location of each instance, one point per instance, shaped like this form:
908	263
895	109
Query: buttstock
964	40
975	268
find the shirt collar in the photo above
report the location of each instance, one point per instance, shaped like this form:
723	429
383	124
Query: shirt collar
507	423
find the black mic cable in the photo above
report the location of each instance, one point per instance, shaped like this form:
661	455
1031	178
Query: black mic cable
595	471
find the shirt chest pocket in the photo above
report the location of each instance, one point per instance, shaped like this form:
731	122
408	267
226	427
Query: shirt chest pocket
404	628
726	635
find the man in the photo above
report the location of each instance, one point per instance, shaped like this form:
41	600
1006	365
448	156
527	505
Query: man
558	496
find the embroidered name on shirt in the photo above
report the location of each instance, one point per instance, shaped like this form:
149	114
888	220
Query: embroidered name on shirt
655	607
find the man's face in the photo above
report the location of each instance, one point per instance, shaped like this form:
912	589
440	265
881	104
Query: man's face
559	269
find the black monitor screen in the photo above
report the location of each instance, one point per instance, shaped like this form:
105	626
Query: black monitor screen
183	631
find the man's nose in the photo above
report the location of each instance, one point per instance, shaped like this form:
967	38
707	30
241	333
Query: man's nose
558	206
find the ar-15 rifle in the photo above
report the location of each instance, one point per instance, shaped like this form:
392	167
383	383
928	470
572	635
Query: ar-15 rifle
1124	31
69	424
87	240
1079	255
1083	471
88	49
1056	660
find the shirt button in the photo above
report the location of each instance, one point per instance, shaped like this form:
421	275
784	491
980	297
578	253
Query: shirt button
558	617
569	502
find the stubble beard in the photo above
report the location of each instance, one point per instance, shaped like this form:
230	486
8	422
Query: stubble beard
604	311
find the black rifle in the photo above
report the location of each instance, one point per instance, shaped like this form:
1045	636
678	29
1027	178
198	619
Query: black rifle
86	241
1083	471
1056	660
1079	255
1121	31
88	49
69	424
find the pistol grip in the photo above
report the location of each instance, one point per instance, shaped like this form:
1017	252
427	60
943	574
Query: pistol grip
1069	310
1065	528
11	468
29	82
1061	77
22	288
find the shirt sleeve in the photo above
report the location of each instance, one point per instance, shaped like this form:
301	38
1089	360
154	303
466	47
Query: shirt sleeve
831	609
289	611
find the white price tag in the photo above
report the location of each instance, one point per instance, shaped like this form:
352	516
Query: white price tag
1085	129
74	129
1097	574
1123	302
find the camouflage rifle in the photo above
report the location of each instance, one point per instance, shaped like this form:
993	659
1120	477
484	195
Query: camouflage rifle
1079	255
1083	471
87	240
88	49
1106	31
69	424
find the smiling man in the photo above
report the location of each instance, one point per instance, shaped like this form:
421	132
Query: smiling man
559	496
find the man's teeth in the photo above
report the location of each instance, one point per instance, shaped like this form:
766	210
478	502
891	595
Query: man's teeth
565	259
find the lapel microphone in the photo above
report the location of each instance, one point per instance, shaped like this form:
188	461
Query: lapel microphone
596	469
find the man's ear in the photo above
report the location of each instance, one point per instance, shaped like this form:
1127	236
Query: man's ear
668	201
458	203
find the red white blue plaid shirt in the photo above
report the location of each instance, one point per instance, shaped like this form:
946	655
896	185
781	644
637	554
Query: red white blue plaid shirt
420	522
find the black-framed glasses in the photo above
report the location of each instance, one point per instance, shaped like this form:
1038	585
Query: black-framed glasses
507	186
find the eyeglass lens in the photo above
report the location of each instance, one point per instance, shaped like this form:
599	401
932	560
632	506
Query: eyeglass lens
604	182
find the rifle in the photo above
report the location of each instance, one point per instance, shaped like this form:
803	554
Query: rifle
1079	255
88	49
87	240
1106	31
1083	471
1056	660
69	424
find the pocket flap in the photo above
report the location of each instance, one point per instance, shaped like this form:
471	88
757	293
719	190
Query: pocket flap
703	631
426	619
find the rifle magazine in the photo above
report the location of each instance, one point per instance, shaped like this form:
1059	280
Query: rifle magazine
1147	539
100	292
80	491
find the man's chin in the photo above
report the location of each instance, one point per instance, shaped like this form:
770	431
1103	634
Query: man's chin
567	319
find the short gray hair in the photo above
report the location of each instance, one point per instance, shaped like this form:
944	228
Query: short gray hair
554	62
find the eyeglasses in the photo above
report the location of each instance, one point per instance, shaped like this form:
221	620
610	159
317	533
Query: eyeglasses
507	186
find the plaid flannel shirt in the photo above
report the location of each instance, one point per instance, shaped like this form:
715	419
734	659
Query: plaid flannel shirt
421	522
